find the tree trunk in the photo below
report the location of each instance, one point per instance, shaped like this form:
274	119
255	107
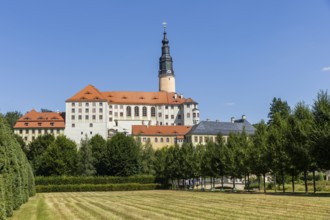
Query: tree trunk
245	185
292	180
234	184
314	181
275	183
305	180
222	182
283	180
178	183
259	182
248	182
172	183
264	182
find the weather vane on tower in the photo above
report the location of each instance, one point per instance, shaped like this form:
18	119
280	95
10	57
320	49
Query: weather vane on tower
164	25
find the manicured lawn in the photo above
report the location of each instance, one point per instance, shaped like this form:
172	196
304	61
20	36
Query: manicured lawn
172	205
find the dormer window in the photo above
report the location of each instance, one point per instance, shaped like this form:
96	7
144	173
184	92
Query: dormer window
52	124
26	124
87	93
39	123
27	118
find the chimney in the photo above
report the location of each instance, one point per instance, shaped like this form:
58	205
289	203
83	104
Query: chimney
175	96
232	119
244	117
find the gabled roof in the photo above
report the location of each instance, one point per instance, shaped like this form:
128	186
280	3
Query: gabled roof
174	130
90	93
224	128
34	119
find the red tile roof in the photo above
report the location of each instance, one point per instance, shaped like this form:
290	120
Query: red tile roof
173	130
90	93
34	119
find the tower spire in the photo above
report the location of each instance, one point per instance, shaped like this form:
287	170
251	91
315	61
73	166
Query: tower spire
166	73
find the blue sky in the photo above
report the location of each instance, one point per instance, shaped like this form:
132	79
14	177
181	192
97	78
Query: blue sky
231	56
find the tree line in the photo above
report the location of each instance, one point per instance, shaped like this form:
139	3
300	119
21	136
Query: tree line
294	141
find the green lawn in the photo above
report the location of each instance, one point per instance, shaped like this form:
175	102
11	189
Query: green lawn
172	205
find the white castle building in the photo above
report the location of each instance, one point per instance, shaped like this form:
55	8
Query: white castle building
91	111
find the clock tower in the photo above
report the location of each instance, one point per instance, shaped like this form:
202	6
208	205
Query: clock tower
166	74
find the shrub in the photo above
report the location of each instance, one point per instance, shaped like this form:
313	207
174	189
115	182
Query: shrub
97	187
72	180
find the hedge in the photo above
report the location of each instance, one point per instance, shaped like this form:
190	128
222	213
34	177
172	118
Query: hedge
97	187
73	180
16	177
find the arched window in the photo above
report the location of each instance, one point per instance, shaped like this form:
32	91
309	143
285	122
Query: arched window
144	111
161	140
156	140
128	111
153	112
136	111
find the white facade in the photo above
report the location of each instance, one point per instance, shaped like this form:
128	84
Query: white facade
30	134
91	118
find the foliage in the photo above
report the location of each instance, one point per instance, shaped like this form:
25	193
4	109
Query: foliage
16	181
99	153
85	159
12	117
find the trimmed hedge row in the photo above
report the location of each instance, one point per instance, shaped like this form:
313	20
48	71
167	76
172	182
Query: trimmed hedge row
75	180
96	187
16	175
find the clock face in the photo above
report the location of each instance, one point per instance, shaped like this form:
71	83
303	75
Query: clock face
168	71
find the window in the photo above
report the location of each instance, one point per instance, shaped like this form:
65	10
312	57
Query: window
25	138
73	104
72	110
159	107
39	124
94	117
110	106
116	106
172	116
86	104
58	131
101	117
79	117
73	125
121	114
26	124
90	125
166	107
179	116
166	116
200	139
80	110
198	115
188	115
161	140
101	110
52	124
80	104
110	119
94	110
33	138
188	106
136	111
144	139
156	140
167	140
86	117
121	107
21	131
196	139
101	104
128	111
153	112
144	111
90	132
116	114
194	115
179	107
73	117
33	131
159	114
206	139
87	110
94	104
82	133
110	112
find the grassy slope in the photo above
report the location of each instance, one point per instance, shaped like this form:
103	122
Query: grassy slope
171	205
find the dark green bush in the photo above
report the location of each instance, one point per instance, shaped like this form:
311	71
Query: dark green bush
72	180
96	187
